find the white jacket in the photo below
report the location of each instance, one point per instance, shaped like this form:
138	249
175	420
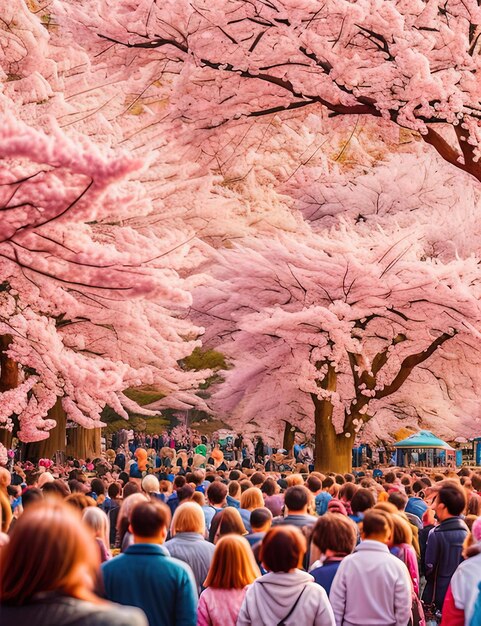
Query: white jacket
464	586
373	587
270	598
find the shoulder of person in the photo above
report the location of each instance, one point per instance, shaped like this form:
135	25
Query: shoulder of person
116	615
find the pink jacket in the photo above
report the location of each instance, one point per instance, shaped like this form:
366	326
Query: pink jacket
219	607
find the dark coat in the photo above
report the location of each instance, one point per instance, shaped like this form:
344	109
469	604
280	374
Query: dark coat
65	611
443	555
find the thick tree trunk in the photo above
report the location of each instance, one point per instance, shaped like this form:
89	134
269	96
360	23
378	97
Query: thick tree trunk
57	436
333	452
8	380
289	435
84	443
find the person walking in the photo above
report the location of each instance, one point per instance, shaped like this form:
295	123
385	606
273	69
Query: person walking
372	586
147	577
285	595
233	568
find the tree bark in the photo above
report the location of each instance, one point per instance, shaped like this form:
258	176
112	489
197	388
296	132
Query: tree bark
84	443
57	436
289	435
333	451
8	380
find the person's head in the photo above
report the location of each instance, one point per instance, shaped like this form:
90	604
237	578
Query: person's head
199	498
227	521
80	501
334	535
97	487
270	487
113	491
49	551
188	518
261	520
474	505
294	480
376	526
314	484
43	479
57	488
32	495
129	489
297	499
233	565
401	531
149	522
362	500
476	481
450	501
399	500
185	493
126	508
217	493
234	489
327	483
257	479
234	475
347	492
252	499
245	484
179	481
150	484
283	549
97	521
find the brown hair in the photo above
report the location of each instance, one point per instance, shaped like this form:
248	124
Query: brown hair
226	522
252	499
335	532
376	523
283	549
148	518
233	565
48	546
401	532
80	501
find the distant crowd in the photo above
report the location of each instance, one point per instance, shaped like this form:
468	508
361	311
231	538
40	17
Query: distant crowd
182	530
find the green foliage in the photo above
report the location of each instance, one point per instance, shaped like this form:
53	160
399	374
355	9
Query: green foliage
144	395
205	359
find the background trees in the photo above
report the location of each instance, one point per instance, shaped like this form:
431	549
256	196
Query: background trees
283	158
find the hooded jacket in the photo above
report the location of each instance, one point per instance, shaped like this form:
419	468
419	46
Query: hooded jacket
269	600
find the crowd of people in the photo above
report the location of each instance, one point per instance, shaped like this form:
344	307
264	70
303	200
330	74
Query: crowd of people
143	536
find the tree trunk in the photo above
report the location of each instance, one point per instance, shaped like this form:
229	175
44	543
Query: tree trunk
289	435
57	436
84	443
8	380
333	452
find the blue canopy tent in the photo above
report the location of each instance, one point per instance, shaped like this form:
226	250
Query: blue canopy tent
424	450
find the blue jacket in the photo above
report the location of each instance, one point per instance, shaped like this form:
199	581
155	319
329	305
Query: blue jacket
443	555
146	576
324	575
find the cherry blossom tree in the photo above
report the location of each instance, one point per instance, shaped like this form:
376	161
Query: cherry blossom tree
90	304
412	63
324	330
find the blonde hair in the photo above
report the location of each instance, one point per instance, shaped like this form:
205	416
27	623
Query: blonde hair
96	519
294	479
150	484
198	497
252	499
233	565
188	518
